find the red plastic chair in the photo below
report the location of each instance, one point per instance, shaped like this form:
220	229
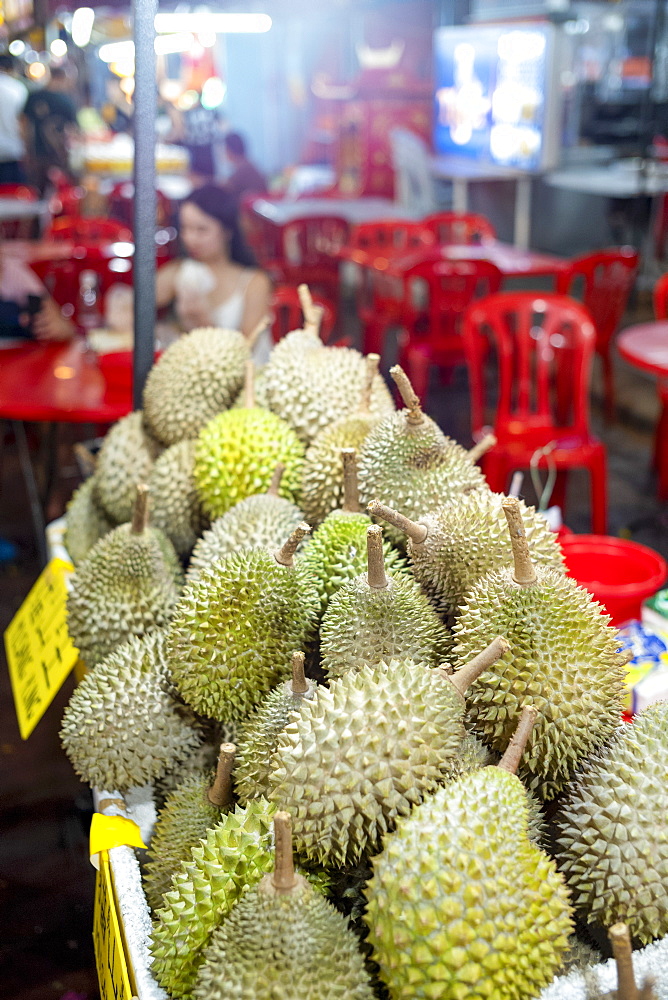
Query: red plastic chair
287	313
607	278
660	296
87	229
543	347
18	228
464	228
261	235
61	277
437	293
307	252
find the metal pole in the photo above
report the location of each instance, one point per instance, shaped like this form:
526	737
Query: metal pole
145	102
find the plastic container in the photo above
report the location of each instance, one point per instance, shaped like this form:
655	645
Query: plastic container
620	574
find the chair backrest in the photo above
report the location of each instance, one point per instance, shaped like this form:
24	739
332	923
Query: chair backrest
287	313
390	236
413	181
22	192
61	278
607	278
308	242
660	297
465	228
90	228
542	347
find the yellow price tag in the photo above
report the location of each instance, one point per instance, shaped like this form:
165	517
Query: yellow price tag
112	831
39	650
113	972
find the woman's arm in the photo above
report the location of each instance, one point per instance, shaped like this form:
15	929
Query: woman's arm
165	283
50	324
257	302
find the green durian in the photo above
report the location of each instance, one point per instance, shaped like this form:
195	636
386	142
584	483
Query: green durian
175	505
194	806
578	956
123	727
282	941
196	763
197	377
259	736
125	459
562	655
85	522
482	913
613	840
452	547
127	585
235	627
366	751
376	618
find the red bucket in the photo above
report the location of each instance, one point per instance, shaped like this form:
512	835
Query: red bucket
620	574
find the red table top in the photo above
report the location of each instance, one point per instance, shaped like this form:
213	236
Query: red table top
510	260
645	345
59	382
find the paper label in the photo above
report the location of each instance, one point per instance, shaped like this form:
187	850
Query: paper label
112	968
39	650
112	831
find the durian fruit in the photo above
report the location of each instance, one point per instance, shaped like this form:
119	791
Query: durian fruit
366	751
409	462
125	459
452	547
376	618
237	451
461	905
613	841
235	627
262	521
196	763
176	508
322	475
259	736
562	655
123	727
337	550
282	940
127	585
197	376
192	808
85	522
578	956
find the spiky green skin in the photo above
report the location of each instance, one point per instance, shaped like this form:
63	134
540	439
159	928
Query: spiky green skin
122	727
283	946
259	739
370	748
202	759
263	521
197	376
337	552
234	630
613	843
364	625
85	522
310	385
124	460
562	659
236	455
482	913
578	956
123	587
469	539
322	475
175	503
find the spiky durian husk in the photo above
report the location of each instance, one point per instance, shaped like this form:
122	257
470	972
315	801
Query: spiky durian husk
236	454
197	376
122	727
125	586
337	552
414	468
202	759
322	475
85	522
310	385
175	503
363	754
613	843
364	625
263	521
483	913
124	460
283	947
579	956
234	630
469	539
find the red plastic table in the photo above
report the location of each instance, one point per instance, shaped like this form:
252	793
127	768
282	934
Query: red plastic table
645	346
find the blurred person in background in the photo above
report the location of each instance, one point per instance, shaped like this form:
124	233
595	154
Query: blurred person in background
245	178
50	117
13	96
27	311
199	129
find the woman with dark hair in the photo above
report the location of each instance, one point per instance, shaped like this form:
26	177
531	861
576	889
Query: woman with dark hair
217	284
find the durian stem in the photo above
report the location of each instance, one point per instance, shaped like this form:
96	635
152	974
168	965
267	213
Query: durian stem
299	683
257	330
462	679
315	319
372	364
524	573
407	392
511	758
478	450
283	879
647	991
140	510
220	793
620	939
284	555
375	576
416	532
305	301
351	496
249	386
275	484
625	656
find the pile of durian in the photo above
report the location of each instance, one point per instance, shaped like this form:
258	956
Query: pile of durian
414	702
